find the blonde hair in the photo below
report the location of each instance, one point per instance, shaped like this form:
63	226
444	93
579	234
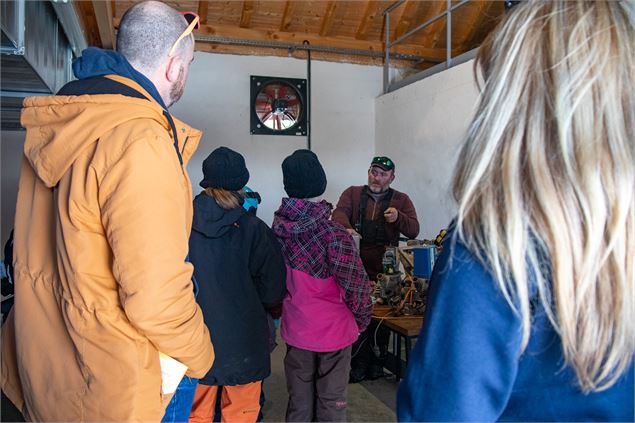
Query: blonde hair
545	183
226	199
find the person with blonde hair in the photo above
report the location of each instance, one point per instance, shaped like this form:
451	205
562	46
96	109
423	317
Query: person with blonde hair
532	303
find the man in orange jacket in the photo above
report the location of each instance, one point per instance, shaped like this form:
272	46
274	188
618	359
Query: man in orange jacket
101	234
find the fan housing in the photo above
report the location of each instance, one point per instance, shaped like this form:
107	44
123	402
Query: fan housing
278	106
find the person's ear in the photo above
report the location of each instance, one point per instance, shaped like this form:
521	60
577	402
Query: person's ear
173	69
392	177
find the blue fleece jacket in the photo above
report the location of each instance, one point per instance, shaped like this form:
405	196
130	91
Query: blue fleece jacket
466	364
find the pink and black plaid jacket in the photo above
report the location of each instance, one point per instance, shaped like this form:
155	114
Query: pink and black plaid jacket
313	244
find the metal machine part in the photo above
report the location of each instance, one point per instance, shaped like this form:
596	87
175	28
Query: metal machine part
403	291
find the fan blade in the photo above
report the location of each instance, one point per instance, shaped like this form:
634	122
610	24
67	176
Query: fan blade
263	107
266	117
283	90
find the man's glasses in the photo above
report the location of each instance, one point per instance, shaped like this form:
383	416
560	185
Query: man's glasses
384	162
194	22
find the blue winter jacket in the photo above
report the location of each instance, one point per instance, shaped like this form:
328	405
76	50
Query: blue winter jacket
466	364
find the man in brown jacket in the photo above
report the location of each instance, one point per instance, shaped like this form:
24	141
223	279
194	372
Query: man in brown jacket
378	214
101	234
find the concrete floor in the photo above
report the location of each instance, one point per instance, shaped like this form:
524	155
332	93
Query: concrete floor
369	401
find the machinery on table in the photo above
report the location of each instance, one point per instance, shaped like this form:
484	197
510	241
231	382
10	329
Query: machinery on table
406	292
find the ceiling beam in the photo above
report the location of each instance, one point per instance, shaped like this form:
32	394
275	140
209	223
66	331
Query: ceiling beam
245	15
327	21
287	16
408	18
317	55
475	20
370	12
434	29
232	32
202	11
103	15
395	18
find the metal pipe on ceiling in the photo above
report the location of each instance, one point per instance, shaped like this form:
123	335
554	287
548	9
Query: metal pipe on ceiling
323	49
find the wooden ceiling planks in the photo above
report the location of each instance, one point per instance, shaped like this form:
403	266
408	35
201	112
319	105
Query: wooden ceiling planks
351	24
372	13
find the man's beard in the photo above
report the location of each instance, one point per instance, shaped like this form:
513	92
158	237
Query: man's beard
377	189
176	91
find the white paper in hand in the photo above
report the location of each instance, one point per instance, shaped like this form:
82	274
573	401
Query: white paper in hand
172	371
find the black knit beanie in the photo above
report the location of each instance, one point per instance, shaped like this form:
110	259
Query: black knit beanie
303	175
224	168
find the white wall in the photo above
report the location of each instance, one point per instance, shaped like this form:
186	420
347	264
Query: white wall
216	100
11	147
420	127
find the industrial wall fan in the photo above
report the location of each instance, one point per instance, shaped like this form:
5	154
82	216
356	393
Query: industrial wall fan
278	106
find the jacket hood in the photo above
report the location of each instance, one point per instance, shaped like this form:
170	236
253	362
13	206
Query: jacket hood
212	220
296	215
59	128
98	62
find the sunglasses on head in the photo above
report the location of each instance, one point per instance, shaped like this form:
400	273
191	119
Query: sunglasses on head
384	162
194	22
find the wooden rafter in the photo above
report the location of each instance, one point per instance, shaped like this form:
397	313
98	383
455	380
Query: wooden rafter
103	14
433	30
370	13
228	31
202	11
245	15
408	18
477	15
287	15
89	22
331	57
327	21
395	18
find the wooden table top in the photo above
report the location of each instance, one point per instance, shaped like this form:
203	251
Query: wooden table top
405	325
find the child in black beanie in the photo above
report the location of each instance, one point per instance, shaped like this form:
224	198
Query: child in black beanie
237	260
328	302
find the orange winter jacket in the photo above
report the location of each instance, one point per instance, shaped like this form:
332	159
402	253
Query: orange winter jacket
101	284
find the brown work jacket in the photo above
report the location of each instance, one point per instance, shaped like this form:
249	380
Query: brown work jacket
347	213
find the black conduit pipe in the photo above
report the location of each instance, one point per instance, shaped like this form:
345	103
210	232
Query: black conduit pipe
308	95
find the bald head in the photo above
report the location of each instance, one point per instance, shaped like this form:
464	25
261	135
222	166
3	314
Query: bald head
147	32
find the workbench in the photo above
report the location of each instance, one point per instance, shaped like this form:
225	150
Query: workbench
404	330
